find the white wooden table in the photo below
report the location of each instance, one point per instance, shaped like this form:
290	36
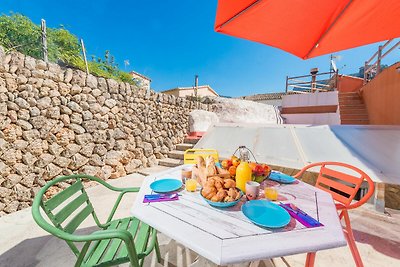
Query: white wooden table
226	236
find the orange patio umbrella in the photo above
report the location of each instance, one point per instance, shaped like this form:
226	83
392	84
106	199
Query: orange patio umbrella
310	28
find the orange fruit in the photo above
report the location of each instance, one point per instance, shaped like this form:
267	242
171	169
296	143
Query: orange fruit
225	164
232	170
252	165
235	161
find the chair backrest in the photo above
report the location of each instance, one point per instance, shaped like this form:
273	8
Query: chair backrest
342	186
190	155
66	210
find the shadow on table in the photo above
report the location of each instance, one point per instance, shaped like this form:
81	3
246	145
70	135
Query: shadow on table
385	246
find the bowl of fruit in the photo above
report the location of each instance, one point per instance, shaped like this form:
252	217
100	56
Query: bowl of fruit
260	172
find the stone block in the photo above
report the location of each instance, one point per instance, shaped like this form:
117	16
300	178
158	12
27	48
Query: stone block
62	162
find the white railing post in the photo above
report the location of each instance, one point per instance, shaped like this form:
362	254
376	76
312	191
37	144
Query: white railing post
378	62
44	41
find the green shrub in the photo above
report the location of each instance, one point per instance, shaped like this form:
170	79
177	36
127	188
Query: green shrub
18	32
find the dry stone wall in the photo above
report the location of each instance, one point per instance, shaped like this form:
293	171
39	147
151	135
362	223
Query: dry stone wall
58	121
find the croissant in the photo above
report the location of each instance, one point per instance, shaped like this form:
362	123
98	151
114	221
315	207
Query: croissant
219	182
208	192
229	183
210	183
221	194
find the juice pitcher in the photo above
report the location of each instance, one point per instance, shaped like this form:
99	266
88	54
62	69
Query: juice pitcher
243	171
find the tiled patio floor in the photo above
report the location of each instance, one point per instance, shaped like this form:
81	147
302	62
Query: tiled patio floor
23	243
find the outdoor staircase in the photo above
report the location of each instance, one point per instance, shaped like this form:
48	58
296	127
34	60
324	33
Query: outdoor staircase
352	109
175	157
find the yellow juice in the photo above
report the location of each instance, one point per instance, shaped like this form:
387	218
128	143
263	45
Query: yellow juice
271	193
191	185
243	175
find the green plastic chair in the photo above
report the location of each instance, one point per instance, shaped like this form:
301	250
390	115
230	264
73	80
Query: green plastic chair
118	241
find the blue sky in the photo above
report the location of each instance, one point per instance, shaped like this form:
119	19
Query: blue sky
172	40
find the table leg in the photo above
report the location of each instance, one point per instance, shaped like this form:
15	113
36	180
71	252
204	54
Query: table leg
380	197
310	259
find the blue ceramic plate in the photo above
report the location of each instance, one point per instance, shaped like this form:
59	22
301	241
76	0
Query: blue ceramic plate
281	178
266	214
165	185
222	204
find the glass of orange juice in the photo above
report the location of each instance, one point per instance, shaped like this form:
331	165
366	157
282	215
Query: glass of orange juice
271	193
191	185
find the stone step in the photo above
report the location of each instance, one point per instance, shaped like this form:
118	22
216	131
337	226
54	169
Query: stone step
349	99
152	170
361	111
184	147
355	106
350	102
355	122
191	140
176	154
170	162
354	117
347	93
350	96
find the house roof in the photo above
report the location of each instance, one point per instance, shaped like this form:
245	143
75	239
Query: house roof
140	75
267	96
191	88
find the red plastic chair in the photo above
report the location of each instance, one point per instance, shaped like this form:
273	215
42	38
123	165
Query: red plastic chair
333	182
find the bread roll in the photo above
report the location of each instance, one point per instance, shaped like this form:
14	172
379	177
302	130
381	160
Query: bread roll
199	171
229	183
210	166
209	192
219	182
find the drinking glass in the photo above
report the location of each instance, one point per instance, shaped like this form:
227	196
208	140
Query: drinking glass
191	185
186	174
271	193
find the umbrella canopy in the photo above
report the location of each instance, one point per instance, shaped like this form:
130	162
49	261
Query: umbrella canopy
310	28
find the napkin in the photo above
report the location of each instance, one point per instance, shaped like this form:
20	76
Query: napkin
301	216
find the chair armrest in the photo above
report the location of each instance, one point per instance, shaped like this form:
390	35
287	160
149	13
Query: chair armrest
108	234
117	202
92	178
125	190
302	171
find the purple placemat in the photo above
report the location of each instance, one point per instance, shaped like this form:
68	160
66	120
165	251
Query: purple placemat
304	219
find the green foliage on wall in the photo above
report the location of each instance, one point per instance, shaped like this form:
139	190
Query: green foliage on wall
18	32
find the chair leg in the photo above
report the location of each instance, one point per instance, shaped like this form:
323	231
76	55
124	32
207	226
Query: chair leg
351	241
310	259
158	253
